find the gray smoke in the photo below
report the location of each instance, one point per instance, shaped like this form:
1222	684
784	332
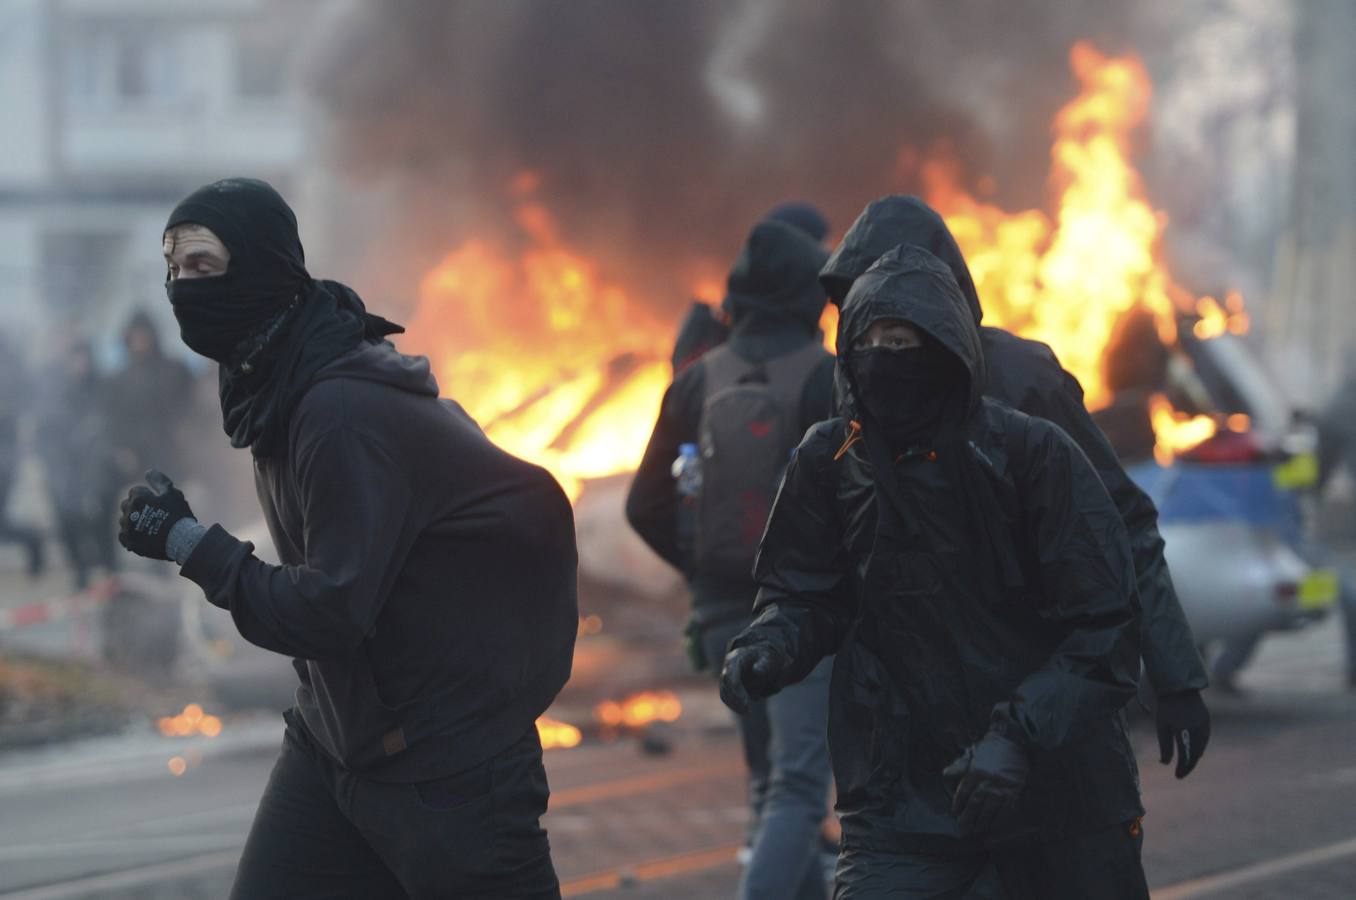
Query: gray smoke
663	130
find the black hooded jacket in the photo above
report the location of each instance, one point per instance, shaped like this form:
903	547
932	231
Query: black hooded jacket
427	585
1027	376
991	587
428	581
782	321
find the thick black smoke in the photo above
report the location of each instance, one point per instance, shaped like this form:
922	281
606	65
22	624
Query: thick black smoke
661	130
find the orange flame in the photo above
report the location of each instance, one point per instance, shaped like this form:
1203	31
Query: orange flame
190	722
557	365
557	735
639	710
563	369
1067	281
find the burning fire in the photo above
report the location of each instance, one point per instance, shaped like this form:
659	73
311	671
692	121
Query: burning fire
1067	281
190	722
558	366
1176	432
563	369
556	735
639	710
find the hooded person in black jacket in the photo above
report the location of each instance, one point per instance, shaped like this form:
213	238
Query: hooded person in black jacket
775	303
425	645
1027	376
968	568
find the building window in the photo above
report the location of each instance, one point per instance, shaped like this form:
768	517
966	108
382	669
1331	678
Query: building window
117	66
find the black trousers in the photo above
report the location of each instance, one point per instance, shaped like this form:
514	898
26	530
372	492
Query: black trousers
1099	865
321	831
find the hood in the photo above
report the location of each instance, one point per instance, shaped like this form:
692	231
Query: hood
699	332
910	283
777	277
380	362
256	225
803	216
887	223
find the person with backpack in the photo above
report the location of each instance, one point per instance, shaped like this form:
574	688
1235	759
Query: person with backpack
967	567
1027	376
743	406
427	591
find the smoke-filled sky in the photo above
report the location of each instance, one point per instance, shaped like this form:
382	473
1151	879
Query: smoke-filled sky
662	130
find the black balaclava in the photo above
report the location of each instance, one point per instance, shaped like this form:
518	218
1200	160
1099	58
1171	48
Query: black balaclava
910	393
266	272
269	325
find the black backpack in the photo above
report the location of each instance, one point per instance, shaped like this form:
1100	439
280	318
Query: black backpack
749	425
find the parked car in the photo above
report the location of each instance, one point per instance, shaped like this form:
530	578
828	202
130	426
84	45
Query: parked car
1233	510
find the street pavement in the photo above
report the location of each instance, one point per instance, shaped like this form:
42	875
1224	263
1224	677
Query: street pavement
1269	814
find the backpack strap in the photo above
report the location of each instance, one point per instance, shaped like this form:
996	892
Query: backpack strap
724	368
787	376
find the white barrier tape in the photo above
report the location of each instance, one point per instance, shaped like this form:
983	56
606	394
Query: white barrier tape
57	608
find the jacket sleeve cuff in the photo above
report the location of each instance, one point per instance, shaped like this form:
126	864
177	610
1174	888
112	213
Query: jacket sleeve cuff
210	563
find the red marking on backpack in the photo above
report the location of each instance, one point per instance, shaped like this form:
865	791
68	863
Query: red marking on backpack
760	429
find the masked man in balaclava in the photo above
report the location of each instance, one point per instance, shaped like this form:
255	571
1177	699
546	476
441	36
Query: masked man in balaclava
745	405
964	562
1026	375
427	591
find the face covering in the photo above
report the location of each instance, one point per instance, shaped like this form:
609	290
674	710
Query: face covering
216	317
907	392
270	325
266	271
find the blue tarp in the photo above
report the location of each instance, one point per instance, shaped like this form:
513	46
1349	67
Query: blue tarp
1193	492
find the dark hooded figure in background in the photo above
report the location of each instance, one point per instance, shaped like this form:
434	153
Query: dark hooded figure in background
968	568
413	551
82	479
704	328
147	402
740	409
1026	375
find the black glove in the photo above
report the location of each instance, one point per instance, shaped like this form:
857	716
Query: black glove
750	673
1183	719
988	779
149	513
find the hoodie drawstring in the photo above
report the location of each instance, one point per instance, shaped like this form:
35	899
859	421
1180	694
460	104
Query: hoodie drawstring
854	434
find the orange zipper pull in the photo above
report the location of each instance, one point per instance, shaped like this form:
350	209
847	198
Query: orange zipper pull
854	434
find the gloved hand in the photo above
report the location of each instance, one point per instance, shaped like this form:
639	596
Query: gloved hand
750	673
149	513
1182	719
988	779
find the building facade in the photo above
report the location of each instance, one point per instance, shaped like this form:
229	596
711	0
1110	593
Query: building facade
114	110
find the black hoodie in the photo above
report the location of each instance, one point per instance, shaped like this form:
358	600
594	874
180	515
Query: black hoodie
776	301
1027	376
997	592
427	588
